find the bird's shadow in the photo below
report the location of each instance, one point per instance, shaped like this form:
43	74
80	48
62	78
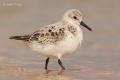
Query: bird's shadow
61	72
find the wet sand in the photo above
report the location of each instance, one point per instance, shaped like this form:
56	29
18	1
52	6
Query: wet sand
97	59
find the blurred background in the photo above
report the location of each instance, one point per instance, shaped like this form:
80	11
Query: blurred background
98	58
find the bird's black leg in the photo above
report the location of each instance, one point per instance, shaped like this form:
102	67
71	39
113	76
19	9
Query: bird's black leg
61	65
46	63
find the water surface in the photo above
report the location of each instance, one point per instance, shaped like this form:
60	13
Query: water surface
97	59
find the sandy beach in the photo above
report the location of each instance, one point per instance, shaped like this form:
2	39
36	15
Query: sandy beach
97	59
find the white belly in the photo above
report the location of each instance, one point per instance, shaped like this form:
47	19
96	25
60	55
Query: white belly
66	46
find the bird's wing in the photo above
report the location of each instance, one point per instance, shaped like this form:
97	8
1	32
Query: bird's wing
48	35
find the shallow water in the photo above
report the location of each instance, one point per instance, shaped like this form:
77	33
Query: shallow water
97	59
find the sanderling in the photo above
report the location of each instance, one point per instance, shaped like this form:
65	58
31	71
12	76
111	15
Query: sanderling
59	39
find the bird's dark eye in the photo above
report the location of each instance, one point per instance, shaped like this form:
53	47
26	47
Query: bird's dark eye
74	17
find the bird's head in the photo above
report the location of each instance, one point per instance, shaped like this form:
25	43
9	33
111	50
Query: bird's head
74	16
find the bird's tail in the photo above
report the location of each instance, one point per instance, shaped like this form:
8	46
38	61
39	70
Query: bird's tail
24	38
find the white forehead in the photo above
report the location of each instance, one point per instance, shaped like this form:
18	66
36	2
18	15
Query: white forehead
73	12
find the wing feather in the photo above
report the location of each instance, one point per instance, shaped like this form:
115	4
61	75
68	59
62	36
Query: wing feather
48	35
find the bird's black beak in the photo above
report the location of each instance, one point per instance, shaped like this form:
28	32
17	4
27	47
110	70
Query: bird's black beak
84	25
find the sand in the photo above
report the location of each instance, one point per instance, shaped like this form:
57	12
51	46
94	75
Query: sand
97	59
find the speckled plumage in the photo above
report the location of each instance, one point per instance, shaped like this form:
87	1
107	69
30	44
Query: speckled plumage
58	39
49	34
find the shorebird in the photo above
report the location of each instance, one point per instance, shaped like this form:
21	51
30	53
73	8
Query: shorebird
58	39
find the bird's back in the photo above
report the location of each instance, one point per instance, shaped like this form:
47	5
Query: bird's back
56	39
